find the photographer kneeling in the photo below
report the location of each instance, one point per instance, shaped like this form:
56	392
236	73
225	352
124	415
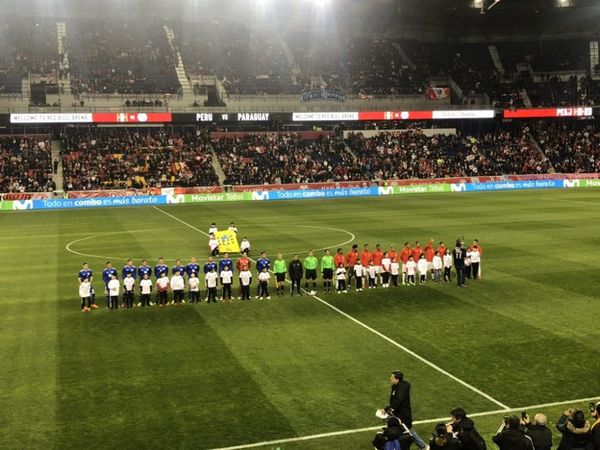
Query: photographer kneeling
575	430
510	435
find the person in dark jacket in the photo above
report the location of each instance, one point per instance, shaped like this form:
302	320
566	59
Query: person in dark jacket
511	436
595	429
459	254
464	429
444	438
575	430
295	271
540	434
399	405
393	431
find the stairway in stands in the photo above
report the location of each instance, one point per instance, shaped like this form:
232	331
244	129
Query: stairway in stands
594	59
496	58
58	177
186	86
61	34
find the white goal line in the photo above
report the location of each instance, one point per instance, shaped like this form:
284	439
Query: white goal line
417	422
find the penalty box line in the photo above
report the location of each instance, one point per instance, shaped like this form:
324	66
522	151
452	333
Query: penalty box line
381	335
417	422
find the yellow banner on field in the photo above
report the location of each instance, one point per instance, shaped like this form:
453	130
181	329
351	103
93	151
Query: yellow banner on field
228	242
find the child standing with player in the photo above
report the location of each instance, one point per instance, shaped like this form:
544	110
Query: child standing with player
340	276
422	266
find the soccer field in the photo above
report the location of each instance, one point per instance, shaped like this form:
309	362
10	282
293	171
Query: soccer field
219	375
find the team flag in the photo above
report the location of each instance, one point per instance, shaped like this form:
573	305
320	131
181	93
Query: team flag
227	241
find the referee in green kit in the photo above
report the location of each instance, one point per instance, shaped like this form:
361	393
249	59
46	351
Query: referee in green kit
280	269
327	266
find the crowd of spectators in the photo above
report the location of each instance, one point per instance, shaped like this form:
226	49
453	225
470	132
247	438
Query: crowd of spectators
115	56
284	158
250	61
121	158
26	46
411	154
25	164
570	148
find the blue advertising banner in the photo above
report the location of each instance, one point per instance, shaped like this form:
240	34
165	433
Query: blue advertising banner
101	202
316	193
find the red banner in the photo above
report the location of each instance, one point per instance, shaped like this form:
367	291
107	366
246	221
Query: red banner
572	111
126	117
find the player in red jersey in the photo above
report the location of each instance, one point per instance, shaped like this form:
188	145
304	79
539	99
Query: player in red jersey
339	258
417	251
377	257
441	250
365	260
429	254
243	263
351	259
404	254
392	254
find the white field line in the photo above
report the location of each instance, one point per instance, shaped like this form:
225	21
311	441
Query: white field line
388	339
417	422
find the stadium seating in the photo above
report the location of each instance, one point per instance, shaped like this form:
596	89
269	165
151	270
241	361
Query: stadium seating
272	158
569	147
25	164
26	45
120	158
111	56
411	154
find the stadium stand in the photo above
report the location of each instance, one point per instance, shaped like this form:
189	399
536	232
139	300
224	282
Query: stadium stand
411	154
570	148
121	158
25	164
112	56
275	158
249	61
26	46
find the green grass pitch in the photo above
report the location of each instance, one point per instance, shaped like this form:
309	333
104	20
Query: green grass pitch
219	375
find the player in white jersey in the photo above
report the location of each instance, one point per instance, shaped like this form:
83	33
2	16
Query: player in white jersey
146	291
162	287
113	291
178	286
226	276
438	265
211	285
194	284
128	285
85	289
385	270
411	267
245	246
213	228
359	274
340	276
263	279
422	267
245	280
213	245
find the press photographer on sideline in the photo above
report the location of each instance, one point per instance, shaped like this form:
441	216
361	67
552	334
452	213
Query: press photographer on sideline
444	438
511	436
464	428
575	430
537	430
595	428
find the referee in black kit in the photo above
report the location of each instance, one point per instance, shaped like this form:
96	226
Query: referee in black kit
459	255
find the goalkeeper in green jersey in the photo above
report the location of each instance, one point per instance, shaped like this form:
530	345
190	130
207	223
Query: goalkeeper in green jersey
327	267
280	269
310	267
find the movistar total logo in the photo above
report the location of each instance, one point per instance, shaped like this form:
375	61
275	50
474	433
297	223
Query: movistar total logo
260	195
